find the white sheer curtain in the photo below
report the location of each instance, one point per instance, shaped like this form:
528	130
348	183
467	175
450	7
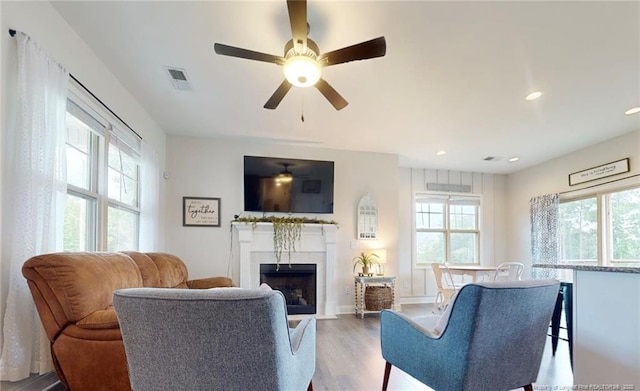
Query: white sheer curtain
544	212
38	191
149	198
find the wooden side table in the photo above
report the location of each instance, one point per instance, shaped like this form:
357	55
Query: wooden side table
361	284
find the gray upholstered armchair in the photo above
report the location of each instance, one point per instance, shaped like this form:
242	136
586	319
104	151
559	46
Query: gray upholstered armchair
220	339
490	338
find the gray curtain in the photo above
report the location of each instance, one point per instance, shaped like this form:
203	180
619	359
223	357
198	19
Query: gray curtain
544	233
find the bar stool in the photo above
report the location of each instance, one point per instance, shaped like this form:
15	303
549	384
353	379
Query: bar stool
565	299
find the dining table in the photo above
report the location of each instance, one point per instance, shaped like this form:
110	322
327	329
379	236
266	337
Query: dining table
476	272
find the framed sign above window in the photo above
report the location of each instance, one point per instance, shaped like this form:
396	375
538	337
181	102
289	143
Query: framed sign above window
603	171
200	212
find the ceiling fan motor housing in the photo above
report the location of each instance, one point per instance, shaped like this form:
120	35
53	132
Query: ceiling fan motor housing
311	50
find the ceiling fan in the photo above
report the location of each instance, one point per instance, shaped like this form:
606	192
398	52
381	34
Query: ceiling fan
284	176
302	62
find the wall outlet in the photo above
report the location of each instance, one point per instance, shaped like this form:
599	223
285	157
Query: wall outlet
353	243
405	285
347	290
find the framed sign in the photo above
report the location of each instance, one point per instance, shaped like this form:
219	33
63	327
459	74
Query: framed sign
599	172
200	212
311	186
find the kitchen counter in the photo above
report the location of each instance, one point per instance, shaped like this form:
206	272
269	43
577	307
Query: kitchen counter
606	324
631	267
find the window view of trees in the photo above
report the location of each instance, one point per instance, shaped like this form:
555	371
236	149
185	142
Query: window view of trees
618	232
447	229
430	235
579	230
122	232
123	176
76	224
625	221
102	205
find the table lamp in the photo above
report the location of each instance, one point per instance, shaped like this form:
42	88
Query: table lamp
382	259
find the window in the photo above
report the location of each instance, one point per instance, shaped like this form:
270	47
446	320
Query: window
578	223
103	182
447	229
615	237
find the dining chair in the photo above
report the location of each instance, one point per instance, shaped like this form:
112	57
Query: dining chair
509	271
446	285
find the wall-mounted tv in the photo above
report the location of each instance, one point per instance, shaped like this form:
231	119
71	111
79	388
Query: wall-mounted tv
275	184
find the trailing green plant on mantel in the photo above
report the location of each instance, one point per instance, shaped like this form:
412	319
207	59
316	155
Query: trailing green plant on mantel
287	231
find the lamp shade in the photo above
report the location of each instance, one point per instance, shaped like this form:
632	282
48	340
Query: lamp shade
382	255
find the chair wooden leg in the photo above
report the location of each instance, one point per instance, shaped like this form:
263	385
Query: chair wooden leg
310	388
387	371
528	387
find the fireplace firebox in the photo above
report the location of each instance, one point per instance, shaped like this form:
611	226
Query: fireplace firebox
296	281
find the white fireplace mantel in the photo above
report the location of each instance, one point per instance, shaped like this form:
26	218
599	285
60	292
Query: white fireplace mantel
317	245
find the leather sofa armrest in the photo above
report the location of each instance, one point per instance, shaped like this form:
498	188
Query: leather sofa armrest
102	319
211	282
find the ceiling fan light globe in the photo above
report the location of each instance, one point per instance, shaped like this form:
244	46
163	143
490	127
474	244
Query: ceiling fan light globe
302	71
284	178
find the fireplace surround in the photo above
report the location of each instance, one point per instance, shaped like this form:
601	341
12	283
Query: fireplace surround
317	245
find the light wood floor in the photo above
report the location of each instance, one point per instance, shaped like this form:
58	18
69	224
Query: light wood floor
48	382
348	359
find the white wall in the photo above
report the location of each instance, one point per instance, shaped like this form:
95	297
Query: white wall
415	284
552	177
40	21
201	167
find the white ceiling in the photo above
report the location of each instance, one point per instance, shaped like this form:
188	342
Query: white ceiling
454	77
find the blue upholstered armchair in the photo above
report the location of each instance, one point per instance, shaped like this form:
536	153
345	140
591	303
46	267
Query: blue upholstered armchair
219	339
490	338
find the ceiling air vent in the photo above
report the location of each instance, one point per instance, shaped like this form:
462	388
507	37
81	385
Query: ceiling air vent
178	78
491	159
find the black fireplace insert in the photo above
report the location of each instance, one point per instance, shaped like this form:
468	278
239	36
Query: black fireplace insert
296	281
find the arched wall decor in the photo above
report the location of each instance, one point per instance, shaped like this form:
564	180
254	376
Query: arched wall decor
367	218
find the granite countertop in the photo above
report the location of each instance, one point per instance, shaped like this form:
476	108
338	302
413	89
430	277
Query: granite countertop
630	267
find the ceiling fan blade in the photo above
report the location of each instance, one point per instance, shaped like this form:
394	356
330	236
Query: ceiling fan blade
298	20
331	94
277	96
370	49
233	51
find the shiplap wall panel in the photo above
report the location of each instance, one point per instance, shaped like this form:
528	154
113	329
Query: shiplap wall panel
487	221
477	183
492	251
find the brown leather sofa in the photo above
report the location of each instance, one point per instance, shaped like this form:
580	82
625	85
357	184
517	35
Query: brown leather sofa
73	293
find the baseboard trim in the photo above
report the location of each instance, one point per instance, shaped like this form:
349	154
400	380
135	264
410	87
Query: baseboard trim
417	300
350	309
53	386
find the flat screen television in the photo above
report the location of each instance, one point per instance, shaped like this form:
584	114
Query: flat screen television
275	184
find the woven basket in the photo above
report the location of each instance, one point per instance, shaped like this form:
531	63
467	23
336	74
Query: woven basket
377	298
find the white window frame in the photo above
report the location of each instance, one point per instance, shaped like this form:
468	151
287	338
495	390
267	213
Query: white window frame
604	235
446	197
111	128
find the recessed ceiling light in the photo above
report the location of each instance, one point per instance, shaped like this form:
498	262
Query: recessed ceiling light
440	153
514	159
632	110
534	95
